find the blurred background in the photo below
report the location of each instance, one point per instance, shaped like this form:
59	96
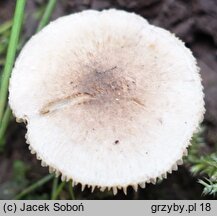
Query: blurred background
195	22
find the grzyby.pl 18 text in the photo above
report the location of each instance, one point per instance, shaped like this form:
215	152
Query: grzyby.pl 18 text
180	208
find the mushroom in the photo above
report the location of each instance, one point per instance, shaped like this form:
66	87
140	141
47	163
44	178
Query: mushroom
109	100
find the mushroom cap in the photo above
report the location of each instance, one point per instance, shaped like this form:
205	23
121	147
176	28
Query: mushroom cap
109	100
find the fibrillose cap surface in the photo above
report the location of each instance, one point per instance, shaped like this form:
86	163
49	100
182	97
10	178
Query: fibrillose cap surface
109	100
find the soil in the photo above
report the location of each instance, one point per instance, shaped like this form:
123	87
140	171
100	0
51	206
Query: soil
195	22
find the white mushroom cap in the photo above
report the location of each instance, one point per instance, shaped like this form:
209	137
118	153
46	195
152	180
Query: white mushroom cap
109	100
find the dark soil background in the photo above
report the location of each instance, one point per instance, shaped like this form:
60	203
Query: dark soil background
195	22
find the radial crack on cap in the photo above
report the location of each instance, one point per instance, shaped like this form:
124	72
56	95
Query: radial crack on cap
72	100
